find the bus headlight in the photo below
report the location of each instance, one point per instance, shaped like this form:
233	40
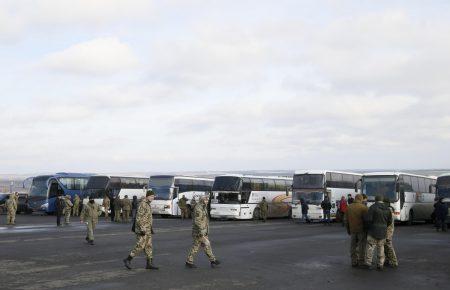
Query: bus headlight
44	206
166	206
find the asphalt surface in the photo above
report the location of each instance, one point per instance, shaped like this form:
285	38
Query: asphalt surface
279	254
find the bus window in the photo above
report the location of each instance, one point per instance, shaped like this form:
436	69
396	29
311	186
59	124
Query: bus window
257	184
246	184
407	186
415	183
269	184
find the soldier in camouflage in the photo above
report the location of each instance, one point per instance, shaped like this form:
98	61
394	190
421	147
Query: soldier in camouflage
200	230
76	205
117	209
126	209
90	213
11	207
182	204
391	257
67	209
106	204
144	230
263	209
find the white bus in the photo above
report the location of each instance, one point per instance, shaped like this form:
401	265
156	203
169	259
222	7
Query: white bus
169	188
411	196
443	189
313	185
237	196
100	185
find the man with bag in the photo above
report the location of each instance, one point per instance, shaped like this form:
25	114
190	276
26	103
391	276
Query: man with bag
143	227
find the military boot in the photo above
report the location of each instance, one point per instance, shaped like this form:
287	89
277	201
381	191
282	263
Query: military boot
150	265
215	263
190	265
127	262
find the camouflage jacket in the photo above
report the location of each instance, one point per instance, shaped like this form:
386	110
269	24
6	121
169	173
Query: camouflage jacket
126	204
117	203
11	205
200	222
67	203
390	228
182	202
264	206
106	202
90	212
76	200
144	219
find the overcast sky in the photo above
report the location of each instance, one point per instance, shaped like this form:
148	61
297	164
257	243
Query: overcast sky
175	85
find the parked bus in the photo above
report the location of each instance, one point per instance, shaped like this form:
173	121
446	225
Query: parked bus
170	188
411	196
443	190
313	185
45	188
100	185
237	196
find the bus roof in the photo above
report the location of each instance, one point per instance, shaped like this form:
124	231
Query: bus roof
256	176
444	174
396	173
118	176
323	171
64	174
183	177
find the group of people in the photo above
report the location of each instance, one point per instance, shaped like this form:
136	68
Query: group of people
143	228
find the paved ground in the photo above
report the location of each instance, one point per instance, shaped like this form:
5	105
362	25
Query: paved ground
274	255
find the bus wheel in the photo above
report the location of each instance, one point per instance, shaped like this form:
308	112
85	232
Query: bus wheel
411	218
256	214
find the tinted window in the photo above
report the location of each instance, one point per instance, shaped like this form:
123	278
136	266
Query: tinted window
227	183
246	184
422	185
114	183
185	185
269	184
311	181
257	184
98	182
415	183
406	182
280	185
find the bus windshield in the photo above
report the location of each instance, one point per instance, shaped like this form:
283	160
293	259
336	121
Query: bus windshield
161	186
227	183
380	185
313	197
228	198
443	187
39	186
308	181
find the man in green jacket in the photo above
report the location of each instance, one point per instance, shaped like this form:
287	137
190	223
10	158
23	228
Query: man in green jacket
263	209
90	213
379	217
354	222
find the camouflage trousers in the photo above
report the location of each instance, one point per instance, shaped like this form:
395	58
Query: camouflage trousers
90	230
264	215
143	242
76	210
184	213
126	216
391	257
372	245
10	217
106	212
200	241
117	215
357	246
67	216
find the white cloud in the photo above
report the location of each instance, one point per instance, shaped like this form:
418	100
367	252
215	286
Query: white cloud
101	56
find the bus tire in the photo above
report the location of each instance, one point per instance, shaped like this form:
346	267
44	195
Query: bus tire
411	218
256	214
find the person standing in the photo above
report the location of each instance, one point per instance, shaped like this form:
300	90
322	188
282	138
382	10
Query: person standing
305	209
76	205
379	217
441	213
342	209
106	204
134	207
113	211
90	213
144	231
117	209
354	222
67	209
11	209
126	209
182	204
59	206
391	257
350	199
200	234
263	208
326	208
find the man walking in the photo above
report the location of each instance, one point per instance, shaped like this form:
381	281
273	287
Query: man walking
144	230
106	204
90	213
182	204
11	208
67	209
126	209
263	209
379	217
326	208
354	222
200	231
117	209
391	257
76	205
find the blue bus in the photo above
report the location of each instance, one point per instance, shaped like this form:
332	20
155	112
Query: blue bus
45	188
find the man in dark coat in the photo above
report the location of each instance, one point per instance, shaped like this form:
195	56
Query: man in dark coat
326	207
59	205
441	213
305	209
378	219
